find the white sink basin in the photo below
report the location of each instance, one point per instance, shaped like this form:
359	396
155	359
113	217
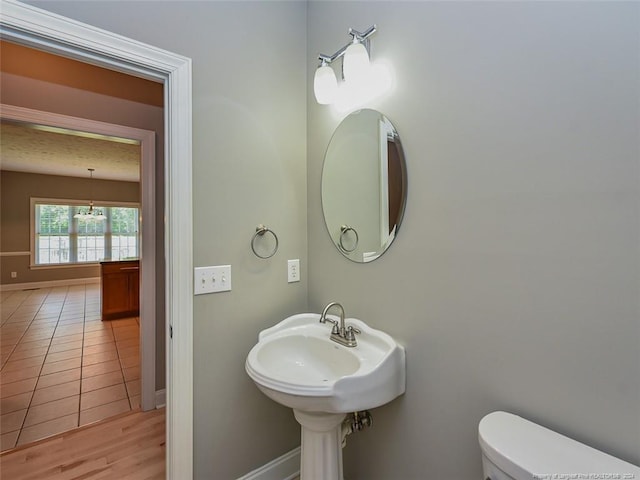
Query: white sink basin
296	364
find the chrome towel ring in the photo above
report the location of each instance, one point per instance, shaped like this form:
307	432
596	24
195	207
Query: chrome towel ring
344	229
260	231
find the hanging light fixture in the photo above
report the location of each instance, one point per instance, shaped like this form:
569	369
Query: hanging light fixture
361	80
91	214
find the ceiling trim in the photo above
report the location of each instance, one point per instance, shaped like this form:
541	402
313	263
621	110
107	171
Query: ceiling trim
38	117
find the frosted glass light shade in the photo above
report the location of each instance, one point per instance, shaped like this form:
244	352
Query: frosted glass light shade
355	65
353	95
325	85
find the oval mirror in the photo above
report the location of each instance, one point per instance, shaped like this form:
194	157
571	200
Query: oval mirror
364	185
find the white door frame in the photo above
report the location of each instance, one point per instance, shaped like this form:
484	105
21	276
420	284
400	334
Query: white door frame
37	28
148	234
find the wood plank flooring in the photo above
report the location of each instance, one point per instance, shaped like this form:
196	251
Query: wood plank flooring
130	446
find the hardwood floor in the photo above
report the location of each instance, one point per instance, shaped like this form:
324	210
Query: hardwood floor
130	446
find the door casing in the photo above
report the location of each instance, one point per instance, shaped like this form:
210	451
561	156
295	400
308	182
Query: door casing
40	29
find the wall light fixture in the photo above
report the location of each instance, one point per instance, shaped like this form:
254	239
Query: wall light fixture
362	80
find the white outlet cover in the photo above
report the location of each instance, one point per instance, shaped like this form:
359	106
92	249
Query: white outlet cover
293	270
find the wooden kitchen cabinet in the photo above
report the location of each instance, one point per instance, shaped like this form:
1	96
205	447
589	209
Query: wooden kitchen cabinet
120	282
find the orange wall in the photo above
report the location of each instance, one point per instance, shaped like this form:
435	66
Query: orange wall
39	65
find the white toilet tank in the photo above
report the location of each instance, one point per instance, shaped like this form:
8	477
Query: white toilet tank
516	449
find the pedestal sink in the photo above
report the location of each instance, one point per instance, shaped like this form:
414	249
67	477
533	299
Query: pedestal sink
296	364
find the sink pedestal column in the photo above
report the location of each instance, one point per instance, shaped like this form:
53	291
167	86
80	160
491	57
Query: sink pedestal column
321	445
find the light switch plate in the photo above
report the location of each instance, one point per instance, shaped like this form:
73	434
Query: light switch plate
212	279
293	270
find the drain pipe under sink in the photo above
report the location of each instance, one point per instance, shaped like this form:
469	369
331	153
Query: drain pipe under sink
354	422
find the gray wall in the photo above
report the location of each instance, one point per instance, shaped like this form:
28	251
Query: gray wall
513	281
249	167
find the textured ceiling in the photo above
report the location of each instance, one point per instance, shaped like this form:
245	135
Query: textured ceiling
28	148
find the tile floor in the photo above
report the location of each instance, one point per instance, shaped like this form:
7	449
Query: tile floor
62	367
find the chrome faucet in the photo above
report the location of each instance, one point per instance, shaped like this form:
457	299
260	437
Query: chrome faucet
323	318
339	332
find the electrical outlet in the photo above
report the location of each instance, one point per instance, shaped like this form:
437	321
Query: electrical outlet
14	274
212	279
293	270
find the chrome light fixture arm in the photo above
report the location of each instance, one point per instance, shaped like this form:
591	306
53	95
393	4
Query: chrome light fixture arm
361	80
363	37
357	37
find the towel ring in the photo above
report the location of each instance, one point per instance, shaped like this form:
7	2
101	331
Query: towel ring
260	231
344	229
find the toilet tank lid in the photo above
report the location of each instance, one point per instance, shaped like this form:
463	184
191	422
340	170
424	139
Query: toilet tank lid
525	450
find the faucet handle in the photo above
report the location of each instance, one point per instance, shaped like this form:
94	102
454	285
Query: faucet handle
351	331
334	329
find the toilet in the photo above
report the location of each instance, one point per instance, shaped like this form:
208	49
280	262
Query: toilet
516	449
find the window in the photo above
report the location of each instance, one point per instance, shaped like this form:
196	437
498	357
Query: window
59	238
52	233
124	232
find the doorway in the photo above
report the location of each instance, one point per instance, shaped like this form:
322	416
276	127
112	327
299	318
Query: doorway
39	29
146	140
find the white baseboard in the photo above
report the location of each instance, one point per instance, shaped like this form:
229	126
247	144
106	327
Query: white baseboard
161	398
48	284
285	467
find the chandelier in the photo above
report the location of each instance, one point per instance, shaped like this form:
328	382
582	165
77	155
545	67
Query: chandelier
91	214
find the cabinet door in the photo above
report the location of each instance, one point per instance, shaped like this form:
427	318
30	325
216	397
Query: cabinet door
134	291
116	293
